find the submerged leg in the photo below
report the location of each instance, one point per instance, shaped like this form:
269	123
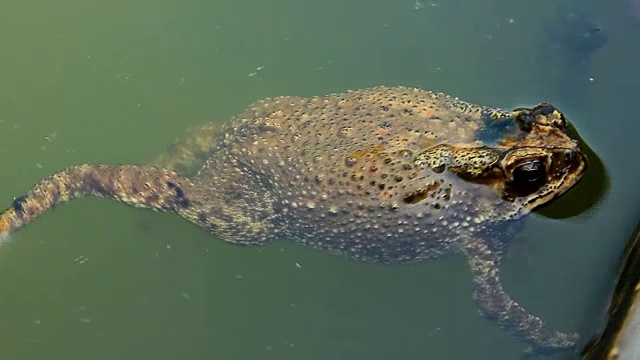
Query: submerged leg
145	187
189	152
496	305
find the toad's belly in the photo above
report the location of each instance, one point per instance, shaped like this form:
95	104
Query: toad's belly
394	238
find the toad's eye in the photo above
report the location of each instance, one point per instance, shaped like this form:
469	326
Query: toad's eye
529	173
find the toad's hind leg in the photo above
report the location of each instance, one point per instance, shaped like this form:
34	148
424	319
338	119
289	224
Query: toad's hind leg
189	152
145	187
495	303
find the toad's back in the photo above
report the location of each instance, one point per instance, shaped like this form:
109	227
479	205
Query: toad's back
343	171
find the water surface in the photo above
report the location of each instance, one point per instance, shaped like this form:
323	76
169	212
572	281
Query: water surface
117	81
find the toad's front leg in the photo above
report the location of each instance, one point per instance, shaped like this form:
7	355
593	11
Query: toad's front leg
495	304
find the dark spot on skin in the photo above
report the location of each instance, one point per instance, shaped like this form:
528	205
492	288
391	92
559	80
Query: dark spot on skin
439	169
405	153
152	198
17	203
95	185
202	217
55	198
350	161
182	201
447	194
174	187
384	108
415	197
525	119
563	120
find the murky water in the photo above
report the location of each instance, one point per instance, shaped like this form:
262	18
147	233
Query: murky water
117	81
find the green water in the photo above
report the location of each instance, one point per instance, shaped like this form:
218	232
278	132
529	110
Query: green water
117	81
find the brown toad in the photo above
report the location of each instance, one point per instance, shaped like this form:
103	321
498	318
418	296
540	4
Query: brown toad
387	175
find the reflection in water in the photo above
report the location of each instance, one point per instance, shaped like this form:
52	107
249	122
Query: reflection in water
576	34
588	193
619	340
573	37
633	10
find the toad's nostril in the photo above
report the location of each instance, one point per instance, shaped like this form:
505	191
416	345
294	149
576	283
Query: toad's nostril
569	155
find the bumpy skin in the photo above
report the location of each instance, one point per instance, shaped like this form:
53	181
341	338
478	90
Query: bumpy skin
386	175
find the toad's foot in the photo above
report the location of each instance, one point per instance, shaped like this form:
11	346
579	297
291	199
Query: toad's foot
189	152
